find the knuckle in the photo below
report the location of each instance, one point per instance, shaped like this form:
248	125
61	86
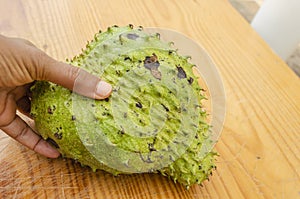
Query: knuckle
37	143
73	72
22	133
39	71
40	62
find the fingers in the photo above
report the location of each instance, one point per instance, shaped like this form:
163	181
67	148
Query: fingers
15	127
74	78
21	132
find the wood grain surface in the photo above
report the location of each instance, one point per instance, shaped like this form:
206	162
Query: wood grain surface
259	146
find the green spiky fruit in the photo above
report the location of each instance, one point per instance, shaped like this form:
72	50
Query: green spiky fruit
152	122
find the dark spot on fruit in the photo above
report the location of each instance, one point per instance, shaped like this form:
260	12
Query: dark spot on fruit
132	36
52	142
138	105
130	26
190	80
93	105
181	73
166	108
50	110
152	64
151	147
58	135
127	58
120	132
73	117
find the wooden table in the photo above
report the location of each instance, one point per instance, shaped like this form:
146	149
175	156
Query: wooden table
259	146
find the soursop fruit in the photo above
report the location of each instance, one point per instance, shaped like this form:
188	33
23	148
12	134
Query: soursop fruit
152	122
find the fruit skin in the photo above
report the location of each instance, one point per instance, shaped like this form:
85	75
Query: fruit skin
145	73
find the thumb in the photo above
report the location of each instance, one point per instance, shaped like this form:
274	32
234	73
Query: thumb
73	78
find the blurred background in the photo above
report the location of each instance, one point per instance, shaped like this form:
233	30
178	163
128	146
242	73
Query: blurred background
248	9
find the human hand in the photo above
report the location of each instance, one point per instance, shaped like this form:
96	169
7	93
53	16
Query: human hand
21	63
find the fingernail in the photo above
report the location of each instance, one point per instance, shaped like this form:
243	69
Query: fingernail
103	89
52	153
49	151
